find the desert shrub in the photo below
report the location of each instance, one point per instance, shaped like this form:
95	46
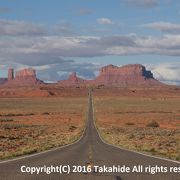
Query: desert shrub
177	158
19	114
6	120
72	128
132	136
153	124
46	113
10	114
29	114
129	123
14	126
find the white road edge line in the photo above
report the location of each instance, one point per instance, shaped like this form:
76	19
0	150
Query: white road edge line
124	149
53	149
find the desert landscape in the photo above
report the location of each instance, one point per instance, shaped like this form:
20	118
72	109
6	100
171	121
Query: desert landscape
132	110
90	90
36	116
30	125
142	117
145	120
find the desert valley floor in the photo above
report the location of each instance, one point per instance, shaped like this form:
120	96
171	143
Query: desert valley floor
40	118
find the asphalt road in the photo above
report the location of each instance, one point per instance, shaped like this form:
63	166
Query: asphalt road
90	149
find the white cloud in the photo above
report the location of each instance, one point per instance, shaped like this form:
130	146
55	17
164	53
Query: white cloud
53	47
47	52
166	27
167	72
165	45
16	28
105	21
21	48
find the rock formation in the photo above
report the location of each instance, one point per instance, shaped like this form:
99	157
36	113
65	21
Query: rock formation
132	75
73	80
26	75
10	74
128	75
23	77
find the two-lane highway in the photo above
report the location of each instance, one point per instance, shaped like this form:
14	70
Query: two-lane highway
90	149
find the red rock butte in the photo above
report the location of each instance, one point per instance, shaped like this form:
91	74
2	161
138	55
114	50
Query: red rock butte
128	75
73	80
22	77
132	75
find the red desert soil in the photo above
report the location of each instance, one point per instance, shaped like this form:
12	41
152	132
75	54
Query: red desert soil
46	90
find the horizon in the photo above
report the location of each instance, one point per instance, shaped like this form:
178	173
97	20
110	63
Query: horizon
63	37
15	71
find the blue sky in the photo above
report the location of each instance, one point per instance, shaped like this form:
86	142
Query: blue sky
58	37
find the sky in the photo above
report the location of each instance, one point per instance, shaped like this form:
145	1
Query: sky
57	37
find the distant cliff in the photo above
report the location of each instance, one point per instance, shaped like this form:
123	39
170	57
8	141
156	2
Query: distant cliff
73	80
132	75
23	77
128	75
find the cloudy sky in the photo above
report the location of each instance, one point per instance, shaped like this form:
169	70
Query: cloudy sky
58	37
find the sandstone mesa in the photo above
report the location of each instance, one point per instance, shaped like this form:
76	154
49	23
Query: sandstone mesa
132	75
124	76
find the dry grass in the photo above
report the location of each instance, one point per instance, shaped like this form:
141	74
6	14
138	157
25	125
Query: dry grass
37	124
125	120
